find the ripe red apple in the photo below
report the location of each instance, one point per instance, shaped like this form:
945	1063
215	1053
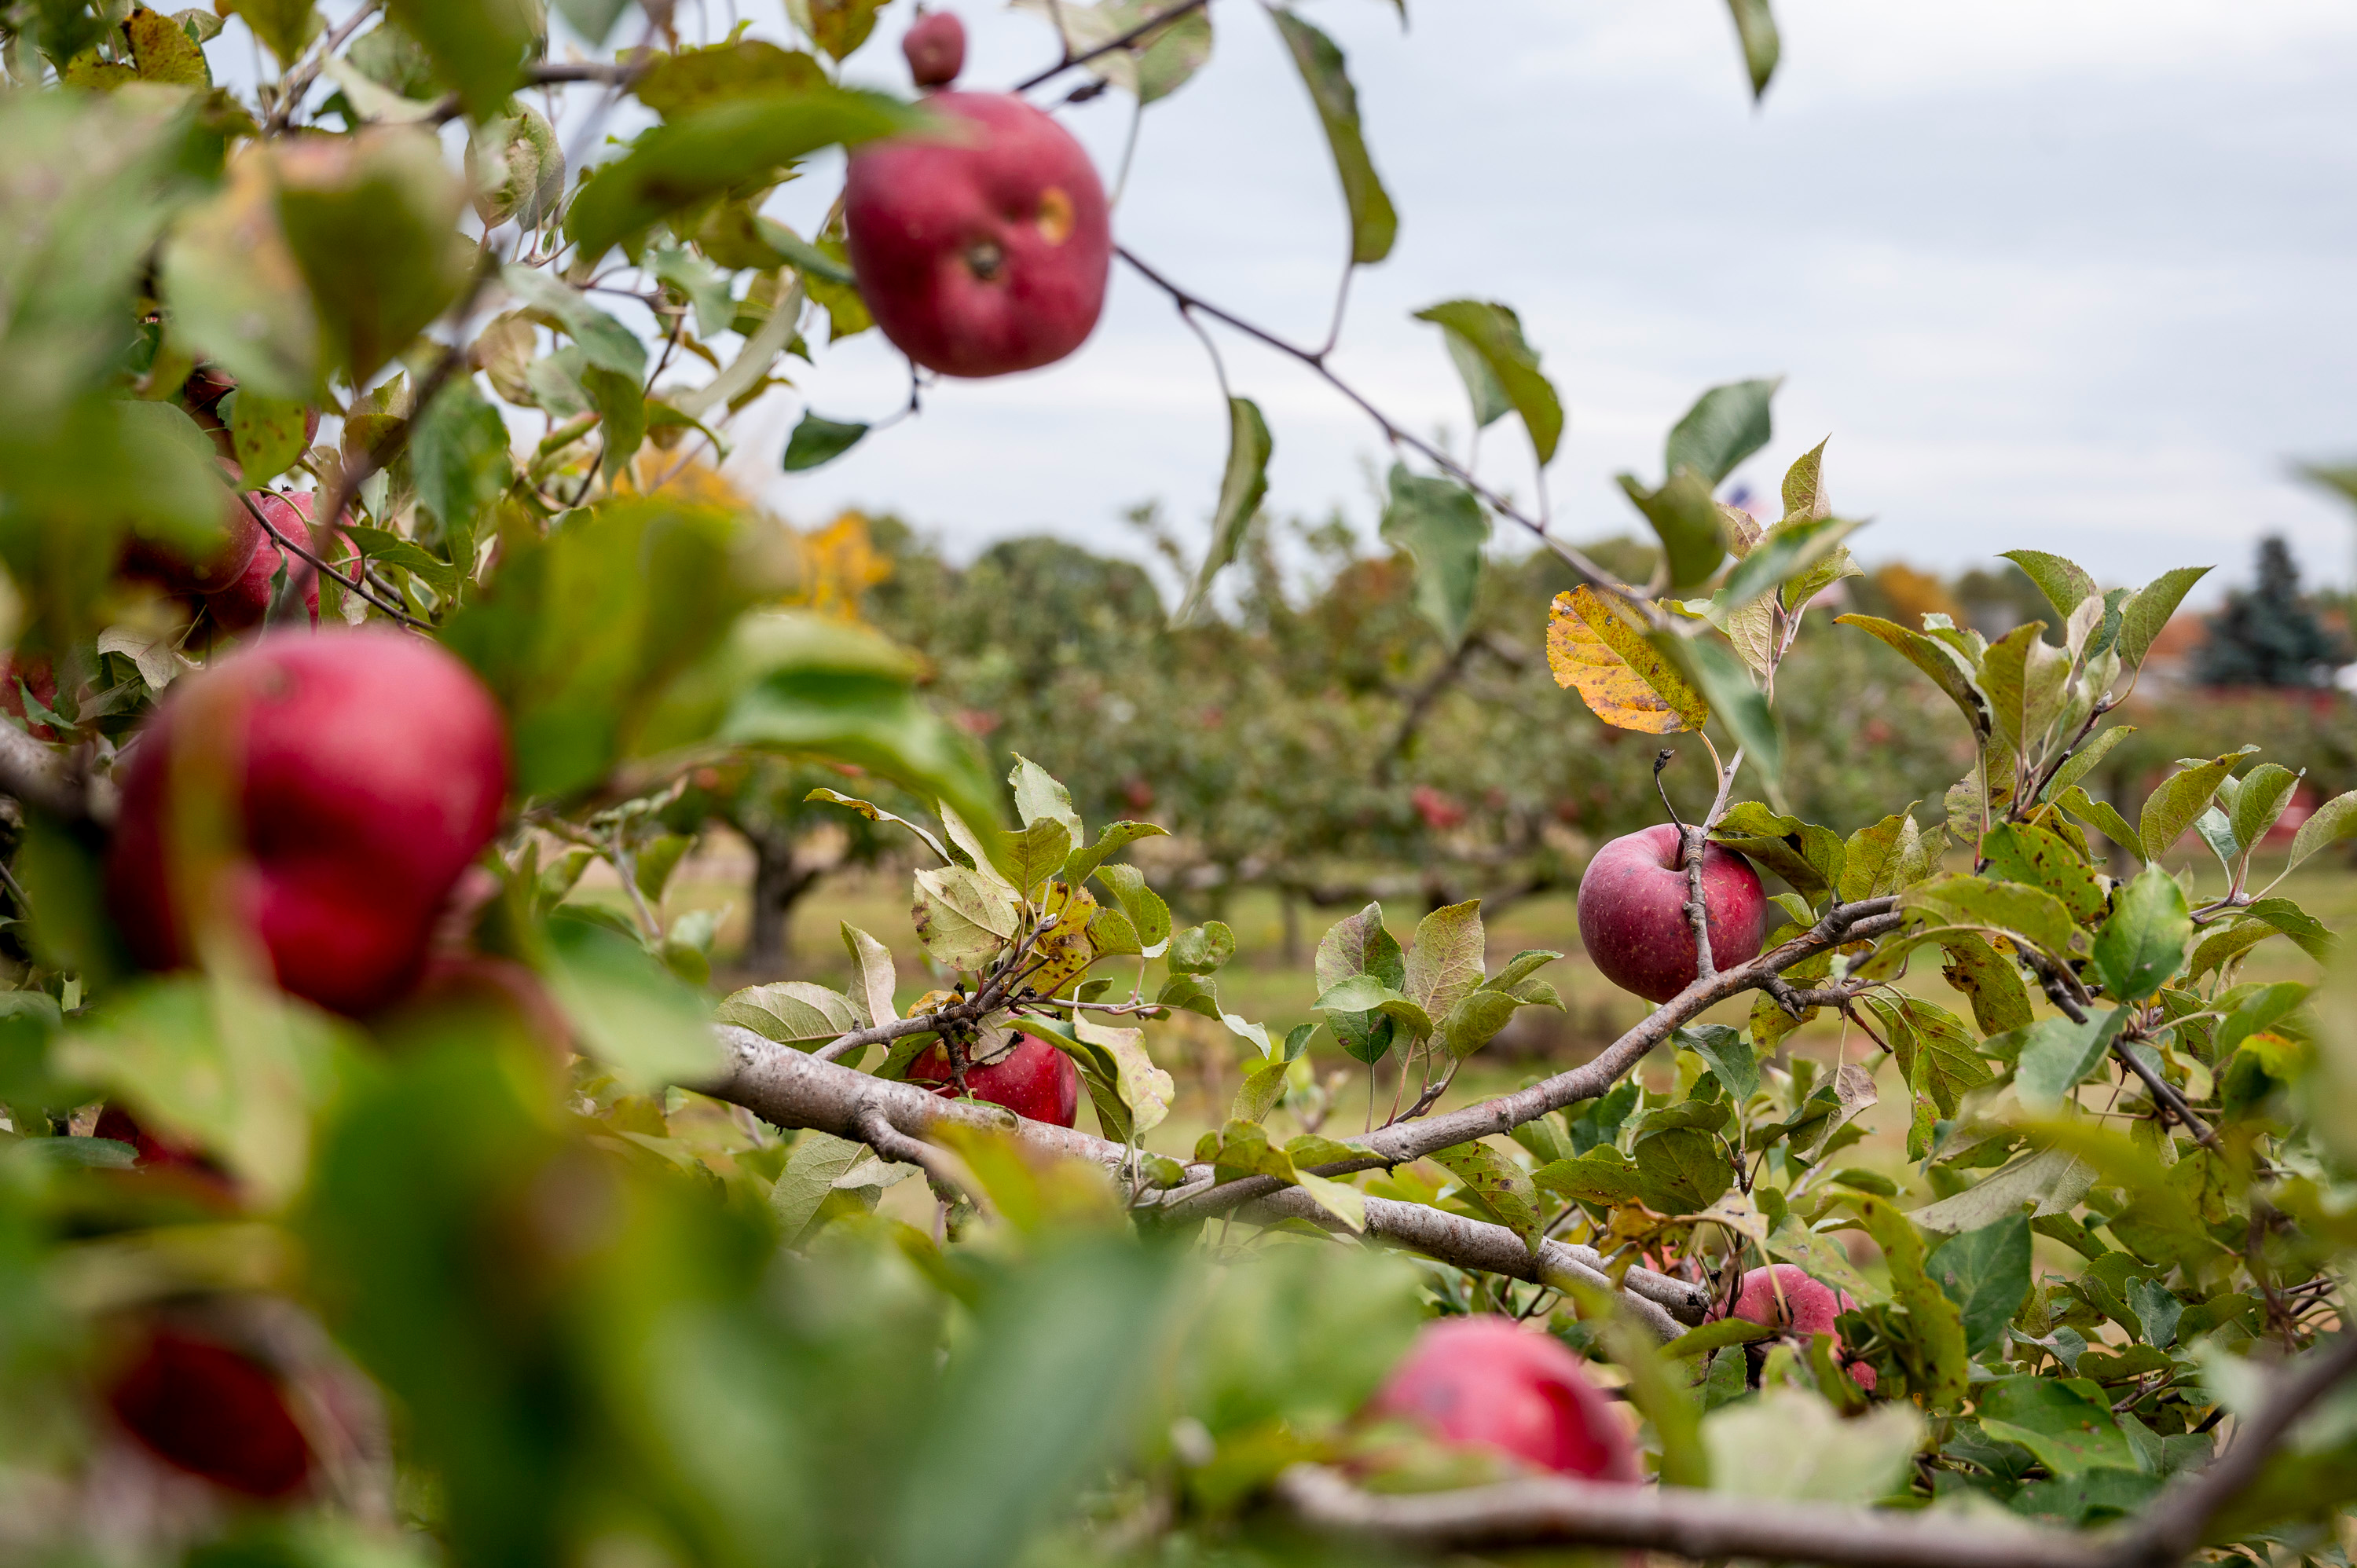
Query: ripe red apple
935	45
374	764
983	249
1782	1296
215	1412
243	604
1633	912
1484	1383
1035	1080
166	566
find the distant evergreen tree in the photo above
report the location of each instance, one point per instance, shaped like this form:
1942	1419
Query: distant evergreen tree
2267	635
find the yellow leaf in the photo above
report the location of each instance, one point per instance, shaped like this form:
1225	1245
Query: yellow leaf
1592	646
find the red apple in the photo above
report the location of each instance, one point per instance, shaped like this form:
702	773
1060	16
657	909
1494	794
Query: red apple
374	769
40	676
1633	912
220	568
242	605
1483	1382
1781	1296
935	45
983	248
215	1412
1035	1080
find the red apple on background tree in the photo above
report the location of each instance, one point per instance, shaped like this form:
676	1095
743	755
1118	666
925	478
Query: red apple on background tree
935	47
371	768
1034	1080
172	570
1782	1296
983	248
1633	912
1484	1383
245	603
214	1411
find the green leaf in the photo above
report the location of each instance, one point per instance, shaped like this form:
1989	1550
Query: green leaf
2141	947
1441	524
1755	28
236	293
1681	1170
2055	1056
265	433
2100	816
794	1012
1601	1176
1374	223
2310	935
604	340
1729	1054
691	79
2083	760
1364	993
2022	675
1475	1019
458	462
1444	961
1494	334
1362	946
1149	915
285	27
1873	858
1987	1273
1085	862
1242	486
2019	853
1934	1353
2010	908
1808	856
477	45
743	142
2066	1422
626	1009
1784	552
817	441
621	409
1501	1186
1993	985
1935	659
1685	519
2157	1311
1726	425
2062	582
372	222
2182	796
2144	615
2331	823
1157	65
1202	950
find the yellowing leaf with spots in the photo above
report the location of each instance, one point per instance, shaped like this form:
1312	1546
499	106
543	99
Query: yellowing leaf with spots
1593	648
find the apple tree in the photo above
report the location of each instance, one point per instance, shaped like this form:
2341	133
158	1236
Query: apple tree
370	1193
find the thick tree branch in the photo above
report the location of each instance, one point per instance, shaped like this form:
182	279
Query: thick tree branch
1407	1141
1693	1524
791	1088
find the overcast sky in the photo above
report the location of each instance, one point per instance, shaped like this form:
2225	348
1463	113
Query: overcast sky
2069	274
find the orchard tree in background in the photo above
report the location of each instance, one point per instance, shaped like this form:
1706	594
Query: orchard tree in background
371	1195
2268	634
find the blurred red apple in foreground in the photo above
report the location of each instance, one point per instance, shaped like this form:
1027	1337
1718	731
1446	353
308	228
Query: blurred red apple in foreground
1483	1382
983	249
368	767
215	1412
1633	912
1035	1080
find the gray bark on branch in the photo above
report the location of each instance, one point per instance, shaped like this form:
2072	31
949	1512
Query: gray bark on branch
788	1088
1700	1525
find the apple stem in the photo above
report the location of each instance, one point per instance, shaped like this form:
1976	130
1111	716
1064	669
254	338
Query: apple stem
1662	759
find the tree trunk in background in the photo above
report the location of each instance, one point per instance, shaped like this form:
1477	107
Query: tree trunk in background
780	880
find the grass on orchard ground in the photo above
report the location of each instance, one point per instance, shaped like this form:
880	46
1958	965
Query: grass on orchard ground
1264	984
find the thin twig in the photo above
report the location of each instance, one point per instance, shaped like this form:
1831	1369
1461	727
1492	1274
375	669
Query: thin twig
1119	41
